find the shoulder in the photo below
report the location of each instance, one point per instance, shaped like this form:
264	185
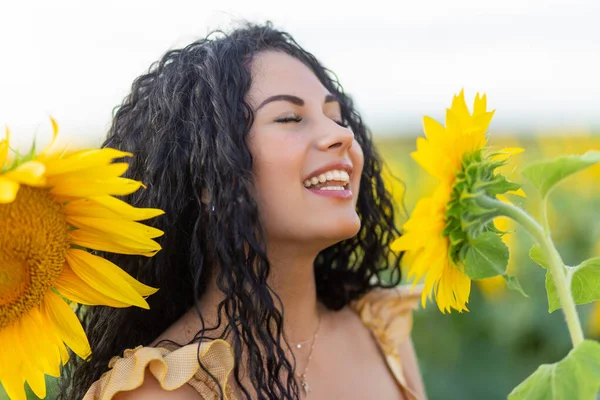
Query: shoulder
159	372
388	313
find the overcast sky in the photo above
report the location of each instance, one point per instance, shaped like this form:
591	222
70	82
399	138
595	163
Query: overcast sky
538	61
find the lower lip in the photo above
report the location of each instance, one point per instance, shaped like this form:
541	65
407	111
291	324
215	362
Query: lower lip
336	194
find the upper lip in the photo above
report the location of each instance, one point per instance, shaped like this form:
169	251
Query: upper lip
340	165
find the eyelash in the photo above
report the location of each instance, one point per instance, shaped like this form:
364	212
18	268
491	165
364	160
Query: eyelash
286	120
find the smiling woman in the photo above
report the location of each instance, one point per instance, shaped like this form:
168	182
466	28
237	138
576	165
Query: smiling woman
276	279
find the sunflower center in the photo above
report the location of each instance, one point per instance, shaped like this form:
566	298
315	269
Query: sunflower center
34	240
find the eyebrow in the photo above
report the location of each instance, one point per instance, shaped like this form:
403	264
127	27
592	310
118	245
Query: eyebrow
293	99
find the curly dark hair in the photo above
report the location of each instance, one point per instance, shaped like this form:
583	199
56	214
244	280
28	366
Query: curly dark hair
187	122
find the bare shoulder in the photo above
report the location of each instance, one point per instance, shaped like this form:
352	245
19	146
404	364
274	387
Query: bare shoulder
151	390
412	372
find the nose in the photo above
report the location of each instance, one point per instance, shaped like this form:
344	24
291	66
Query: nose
334	136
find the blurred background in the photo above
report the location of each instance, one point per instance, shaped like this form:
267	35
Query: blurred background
538	62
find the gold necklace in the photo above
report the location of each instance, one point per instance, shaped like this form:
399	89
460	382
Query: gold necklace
302	377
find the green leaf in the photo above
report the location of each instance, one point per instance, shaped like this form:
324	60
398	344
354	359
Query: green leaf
545	174
553	299
537	256
584	284
512	282
577	376
487	256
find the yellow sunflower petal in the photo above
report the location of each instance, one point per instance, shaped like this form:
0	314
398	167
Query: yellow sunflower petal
86	188
518	192
462	288
70	285
61	317
121	245
8	190
460	110
30	173
434	131
37	383
4	148
104	276
75	289
115	228
50	359
506	153
48	148
406	242
10	366
109	207
84	159
103	172
33	356
14	386
480	104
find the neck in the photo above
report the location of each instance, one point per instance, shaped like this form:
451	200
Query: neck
292	279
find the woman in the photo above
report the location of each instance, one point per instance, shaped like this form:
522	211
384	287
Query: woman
275	258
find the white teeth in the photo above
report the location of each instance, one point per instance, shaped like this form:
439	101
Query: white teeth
332	188
333	175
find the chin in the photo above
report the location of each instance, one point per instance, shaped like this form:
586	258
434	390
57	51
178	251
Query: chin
341	230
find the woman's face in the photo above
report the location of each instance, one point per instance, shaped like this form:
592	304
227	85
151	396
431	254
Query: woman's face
307	166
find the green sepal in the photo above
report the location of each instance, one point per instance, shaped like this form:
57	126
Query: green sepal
20	159
487	256
466	217
499	185
584	284
545	174
575	377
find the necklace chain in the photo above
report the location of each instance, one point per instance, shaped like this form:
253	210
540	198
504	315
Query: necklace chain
302	377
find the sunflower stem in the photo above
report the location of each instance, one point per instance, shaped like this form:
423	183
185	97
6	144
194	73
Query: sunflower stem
555	263
545	216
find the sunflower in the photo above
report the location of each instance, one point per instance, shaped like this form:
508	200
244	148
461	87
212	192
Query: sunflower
54	206
437	233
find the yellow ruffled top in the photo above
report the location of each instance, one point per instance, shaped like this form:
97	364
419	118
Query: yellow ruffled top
387	313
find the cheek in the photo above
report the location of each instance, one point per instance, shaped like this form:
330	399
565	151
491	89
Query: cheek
277	166
358	161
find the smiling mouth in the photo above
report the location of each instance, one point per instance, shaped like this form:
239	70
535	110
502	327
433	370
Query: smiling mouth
336	179
330	185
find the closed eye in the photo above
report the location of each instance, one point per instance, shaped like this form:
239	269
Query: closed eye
296	118
285	120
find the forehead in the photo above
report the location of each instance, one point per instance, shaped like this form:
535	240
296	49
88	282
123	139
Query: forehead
276	73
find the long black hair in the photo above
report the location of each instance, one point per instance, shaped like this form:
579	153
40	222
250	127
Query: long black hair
187	123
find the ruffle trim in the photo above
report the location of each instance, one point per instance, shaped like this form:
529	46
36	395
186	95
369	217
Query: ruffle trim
172	369
387	313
